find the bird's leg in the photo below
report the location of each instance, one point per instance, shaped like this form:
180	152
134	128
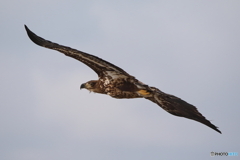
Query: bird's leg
143	92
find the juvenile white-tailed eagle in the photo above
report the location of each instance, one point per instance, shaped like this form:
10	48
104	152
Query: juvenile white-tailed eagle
117	83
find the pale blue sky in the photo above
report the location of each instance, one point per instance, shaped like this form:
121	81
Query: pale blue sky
186	48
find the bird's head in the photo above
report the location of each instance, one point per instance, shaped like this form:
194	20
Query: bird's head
90	85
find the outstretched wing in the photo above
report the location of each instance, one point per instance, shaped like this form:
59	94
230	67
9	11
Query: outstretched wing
97	64
179	107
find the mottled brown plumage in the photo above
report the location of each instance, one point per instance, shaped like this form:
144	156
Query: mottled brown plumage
117	83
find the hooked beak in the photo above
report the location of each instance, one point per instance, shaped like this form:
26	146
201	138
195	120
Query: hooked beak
82	86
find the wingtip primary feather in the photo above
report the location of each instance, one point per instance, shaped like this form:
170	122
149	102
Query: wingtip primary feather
214	127
29	32
209	124
31	35
25	26
36	39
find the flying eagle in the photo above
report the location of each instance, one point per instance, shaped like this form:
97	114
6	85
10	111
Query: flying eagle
117	83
